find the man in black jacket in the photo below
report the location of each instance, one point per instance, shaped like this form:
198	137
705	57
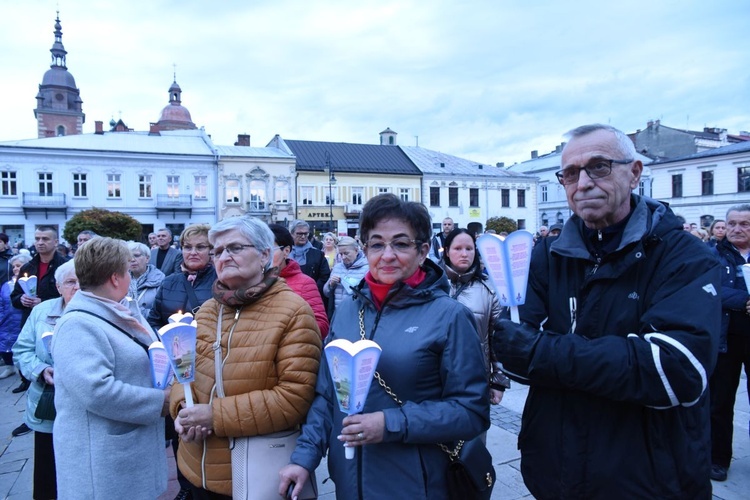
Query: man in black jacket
311	261
618	337
734	346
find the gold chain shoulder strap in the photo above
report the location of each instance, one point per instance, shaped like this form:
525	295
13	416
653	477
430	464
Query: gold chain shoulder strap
452	453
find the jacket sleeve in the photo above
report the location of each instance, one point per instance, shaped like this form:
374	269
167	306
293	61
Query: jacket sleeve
324	274
463	410
733	299
154	314
85	363
314	440
286	404
312	296
24	350
667	362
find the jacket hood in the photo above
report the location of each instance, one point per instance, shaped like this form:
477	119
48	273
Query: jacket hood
648	218
152	278
291	269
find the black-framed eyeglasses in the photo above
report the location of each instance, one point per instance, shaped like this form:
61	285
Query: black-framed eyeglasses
197	248
399	245
232	249
302	234
595	169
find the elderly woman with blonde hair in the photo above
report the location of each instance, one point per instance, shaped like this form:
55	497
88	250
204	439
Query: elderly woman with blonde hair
109	429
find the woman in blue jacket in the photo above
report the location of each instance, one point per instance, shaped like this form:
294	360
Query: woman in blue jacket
431	360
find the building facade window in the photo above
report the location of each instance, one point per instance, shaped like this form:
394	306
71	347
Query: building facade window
257	195
8	183
306	194
434	196
642	188
505	198
521	195
200	187
403	193
473	197
677	186
743	179
383	190
232	191
173	186
145	186
45	183
113	186
521	223
544	193
707	183
60	131
80	186
281	192
452	196
357	195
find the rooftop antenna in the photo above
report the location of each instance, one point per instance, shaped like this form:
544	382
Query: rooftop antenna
174	72
417	139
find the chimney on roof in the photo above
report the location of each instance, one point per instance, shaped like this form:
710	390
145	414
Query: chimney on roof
534	154
500	164
657	123
650	124
558	148
99	127
153	129
243	140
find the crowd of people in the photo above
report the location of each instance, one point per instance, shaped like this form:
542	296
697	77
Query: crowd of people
630	393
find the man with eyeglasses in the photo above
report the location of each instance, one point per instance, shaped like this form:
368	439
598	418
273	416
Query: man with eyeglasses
617	339
164	257
311	261
733	252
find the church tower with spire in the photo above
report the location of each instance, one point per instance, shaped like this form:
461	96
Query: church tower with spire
175	116
58	103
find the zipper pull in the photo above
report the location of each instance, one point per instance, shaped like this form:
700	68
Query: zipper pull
599	234
573	305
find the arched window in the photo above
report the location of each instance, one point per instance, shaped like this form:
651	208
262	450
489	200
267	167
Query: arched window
60	131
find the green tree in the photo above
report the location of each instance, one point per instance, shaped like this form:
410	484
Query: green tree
500	224
104	223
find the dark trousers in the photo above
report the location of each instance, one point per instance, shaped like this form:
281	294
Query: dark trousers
201	494
45	475
723	389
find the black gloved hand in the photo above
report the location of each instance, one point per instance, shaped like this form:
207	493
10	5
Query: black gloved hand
514	345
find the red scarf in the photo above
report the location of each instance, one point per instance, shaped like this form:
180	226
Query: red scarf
380	290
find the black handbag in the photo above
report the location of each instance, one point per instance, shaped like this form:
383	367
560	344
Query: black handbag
471	475
45	408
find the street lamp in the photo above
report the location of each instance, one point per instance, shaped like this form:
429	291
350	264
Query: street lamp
331	183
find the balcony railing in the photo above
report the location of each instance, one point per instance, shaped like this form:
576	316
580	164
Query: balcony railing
36	200
170	202
174	204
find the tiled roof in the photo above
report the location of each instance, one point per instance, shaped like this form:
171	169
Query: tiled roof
739	147
429	162
178	142
352	158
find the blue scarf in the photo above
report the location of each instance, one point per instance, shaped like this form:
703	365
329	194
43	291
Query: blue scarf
299	253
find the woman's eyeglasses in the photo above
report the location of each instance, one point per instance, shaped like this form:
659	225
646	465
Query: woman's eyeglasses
197	248
233	249
399	245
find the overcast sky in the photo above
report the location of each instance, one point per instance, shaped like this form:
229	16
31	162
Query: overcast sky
484	80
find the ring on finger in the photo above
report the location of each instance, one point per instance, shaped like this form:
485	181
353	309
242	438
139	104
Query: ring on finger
360	435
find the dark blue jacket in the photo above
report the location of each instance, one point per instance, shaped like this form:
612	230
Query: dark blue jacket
46	288
734	294
172	296
618	404
433	362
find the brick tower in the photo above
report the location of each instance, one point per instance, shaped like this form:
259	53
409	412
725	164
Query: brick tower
58	103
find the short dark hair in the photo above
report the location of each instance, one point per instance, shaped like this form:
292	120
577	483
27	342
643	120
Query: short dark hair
389	206
281	235
47	229
447	245
4	238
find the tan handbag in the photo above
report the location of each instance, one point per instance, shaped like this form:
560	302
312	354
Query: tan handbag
257	460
